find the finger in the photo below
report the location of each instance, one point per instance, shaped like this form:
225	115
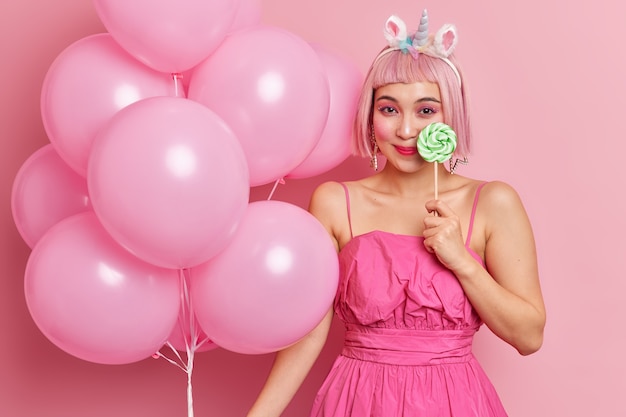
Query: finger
435	207
439	207
431	207
428	247
431	222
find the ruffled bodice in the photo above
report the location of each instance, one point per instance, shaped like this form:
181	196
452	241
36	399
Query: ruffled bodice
391	281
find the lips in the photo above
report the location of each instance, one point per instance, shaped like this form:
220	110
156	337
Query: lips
403	150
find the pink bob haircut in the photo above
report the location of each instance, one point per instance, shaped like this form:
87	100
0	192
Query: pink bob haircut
398	67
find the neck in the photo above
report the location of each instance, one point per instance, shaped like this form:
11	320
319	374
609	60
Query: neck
411	184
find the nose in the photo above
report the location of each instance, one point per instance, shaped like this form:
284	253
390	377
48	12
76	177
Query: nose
407	128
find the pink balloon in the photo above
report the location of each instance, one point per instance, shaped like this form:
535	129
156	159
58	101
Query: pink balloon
169	181
248	14
270	87
271	285
85	86
168	35
45	191
334	146
93	299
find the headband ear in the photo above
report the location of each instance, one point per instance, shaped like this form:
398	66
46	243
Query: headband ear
395	31
445	40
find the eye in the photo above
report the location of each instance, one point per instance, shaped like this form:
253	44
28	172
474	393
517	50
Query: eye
387	109
427	110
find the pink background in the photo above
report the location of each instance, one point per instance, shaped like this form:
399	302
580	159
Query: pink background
548	94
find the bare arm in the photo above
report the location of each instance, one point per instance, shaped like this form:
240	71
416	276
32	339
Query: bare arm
507	294
289	370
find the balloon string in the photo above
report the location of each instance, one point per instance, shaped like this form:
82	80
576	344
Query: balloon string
172	361
185	319
193	340
179	91
185	367
186	315
190	356
278	181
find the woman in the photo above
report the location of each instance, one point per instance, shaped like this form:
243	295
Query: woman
419	275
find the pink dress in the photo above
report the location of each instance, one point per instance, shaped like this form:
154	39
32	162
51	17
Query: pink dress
409	330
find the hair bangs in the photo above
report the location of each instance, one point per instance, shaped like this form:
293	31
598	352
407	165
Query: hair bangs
402	68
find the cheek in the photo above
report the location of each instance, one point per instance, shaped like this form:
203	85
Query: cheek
383	129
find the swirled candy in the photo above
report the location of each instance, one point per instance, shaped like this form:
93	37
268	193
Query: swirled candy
436	142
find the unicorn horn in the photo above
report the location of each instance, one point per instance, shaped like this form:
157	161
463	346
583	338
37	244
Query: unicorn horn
421	35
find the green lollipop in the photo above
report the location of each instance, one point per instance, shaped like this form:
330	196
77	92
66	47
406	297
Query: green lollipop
436	143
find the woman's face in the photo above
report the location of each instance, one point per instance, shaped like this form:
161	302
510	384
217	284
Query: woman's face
400	112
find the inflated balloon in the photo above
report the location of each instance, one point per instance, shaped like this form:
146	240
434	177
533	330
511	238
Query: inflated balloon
168	35
248	15
334	146
45	191
93	299
271	89
169	181
271	285
85	86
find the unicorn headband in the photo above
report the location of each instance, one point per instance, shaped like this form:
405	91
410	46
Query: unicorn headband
441	45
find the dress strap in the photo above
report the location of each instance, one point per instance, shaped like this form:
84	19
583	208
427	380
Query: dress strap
471	223
345	188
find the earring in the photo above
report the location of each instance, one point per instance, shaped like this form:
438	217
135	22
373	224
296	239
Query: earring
457	161
374	160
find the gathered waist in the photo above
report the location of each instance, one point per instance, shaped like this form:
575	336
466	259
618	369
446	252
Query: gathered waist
407	346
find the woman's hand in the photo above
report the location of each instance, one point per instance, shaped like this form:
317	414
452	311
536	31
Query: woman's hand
443	236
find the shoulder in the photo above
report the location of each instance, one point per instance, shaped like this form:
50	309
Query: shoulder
333	195
496	196
328	204
328	195
502	207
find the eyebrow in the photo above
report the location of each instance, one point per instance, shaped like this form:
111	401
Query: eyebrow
421	100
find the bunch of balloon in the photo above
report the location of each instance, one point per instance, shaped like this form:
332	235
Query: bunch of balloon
138	211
